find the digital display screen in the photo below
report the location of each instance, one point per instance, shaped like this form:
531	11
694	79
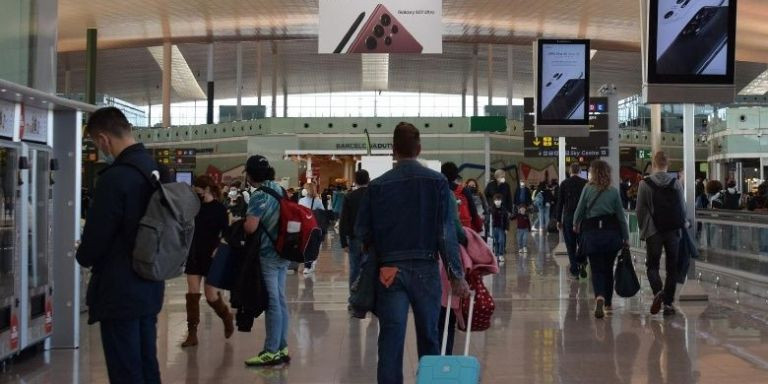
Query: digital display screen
184	177
563	82
691	41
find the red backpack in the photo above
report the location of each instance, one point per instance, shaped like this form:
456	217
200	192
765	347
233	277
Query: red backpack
299	236
484	305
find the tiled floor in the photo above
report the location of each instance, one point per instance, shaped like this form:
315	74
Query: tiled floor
543	332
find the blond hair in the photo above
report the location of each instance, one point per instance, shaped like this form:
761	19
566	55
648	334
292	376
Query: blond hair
600	175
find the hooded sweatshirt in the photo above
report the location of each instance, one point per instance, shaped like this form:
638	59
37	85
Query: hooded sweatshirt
645	202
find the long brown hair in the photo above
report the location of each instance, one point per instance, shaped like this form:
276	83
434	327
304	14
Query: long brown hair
600	175
205	181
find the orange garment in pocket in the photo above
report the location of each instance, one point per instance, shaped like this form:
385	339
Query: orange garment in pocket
387	275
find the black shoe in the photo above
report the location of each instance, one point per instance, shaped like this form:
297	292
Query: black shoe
600	308
657	301
669	310
583	271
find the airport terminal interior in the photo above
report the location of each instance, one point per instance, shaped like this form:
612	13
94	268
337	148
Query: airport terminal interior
507	95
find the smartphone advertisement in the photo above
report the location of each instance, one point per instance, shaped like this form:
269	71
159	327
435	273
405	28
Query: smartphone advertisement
563	82
381	26
691	41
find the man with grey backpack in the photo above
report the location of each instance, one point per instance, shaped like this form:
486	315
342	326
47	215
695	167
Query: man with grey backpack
125	293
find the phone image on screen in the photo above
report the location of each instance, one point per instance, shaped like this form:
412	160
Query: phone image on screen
567	101
348	35
696	46
383	33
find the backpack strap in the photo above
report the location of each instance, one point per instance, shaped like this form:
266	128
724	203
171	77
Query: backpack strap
273	194
154	181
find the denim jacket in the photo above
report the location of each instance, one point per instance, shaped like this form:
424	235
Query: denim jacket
409	213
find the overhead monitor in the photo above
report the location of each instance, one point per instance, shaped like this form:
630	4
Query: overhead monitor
562	83
691	41
184	177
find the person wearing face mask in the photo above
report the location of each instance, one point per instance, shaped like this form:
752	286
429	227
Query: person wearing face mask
499	185
237	204
210	223
125	304
311	200
523	196
481	206
500	219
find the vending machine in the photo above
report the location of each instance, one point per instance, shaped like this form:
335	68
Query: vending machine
37	231
10	231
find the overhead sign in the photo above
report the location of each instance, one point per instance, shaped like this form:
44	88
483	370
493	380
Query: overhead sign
594	145
381	26
691	41
562	82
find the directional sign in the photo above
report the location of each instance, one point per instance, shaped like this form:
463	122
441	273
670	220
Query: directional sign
596	145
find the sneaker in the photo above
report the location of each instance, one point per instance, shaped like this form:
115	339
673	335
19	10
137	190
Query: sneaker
265	359
600	308
310	270
669	310
284	355
502	259
657	301
583	271
525	249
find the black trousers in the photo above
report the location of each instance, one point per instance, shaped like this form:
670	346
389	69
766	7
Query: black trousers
669	242
130	349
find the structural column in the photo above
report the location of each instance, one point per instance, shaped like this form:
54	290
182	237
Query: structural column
510	79
614	158
490	74
274	79
90	65
239	82
474	80
258	73
487	154
655	128
464	101
167	52
210	94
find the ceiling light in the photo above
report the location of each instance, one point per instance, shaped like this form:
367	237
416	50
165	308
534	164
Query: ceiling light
757	87
183	81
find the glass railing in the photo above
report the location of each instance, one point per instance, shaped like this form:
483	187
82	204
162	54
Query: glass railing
731	239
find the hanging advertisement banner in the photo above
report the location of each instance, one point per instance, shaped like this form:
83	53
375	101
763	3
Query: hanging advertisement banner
563	82
381	26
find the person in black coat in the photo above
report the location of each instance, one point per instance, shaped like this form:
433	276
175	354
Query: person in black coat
352	244
125	304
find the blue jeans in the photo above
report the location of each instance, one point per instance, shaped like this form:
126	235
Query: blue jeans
522	238
571	243
356	258
130	350
417	284
274	269
499	241
543	219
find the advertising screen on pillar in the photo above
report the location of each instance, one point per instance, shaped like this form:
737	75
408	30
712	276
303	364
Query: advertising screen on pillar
381	26
563	82
691	41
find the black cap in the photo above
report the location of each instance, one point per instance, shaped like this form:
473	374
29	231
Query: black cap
257	167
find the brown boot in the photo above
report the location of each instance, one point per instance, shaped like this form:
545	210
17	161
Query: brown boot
226	316
193	319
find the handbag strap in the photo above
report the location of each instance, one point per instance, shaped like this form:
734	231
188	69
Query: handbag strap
592	204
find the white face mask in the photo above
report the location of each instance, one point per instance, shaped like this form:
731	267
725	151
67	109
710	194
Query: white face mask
521	211
522	185
232	193
502	180
497	203
731	190
304	193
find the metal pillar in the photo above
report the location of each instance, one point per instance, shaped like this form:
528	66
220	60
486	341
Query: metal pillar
487	154
739	176
561	159
67	147
762	168
239	82
258	73
613	138
691	291
309	168
210	93
655	128
285	91
464	102
474	80
510	79
167	52
490	74
274	79
90	65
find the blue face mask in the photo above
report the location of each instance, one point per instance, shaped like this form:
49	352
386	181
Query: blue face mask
109	159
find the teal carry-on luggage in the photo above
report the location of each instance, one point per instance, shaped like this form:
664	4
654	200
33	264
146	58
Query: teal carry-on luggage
451	369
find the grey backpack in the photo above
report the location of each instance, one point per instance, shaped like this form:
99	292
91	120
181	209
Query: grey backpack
165	232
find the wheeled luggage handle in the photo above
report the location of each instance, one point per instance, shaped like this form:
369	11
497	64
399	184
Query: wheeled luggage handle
448	318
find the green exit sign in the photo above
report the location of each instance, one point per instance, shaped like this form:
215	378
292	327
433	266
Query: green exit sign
644	154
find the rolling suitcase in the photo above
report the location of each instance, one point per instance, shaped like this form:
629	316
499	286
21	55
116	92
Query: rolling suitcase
451	369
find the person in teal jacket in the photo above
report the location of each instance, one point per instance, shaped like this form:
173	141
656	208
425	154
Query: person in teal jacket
600	220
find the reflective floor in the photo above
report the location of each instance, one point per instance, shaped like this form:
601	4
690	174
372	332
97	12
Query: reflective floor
543	332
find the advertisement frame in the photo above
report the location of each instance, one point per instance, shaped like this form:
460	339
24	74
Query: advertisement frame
656	78
540	121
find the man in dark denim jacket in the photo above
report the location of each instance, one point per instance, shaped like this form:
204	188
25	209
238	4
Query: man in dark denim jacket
408	216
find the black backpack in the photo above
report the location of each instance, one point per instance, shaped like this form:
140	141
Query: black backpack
731	200
667	213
